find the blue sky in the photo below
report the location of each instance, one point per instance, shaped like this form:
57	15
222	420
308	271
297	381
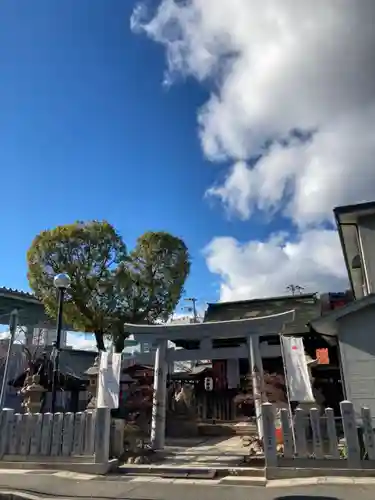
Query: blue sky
88	131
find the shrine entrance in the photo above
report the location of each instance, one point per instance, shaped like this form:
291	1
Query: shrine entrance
203	338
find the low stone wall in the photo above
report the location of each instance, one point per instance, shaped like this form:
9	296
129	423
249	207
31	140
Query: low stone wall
71	441
324	451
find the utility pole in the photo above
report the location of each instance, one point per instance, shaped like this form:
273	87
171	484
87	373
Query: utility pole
193	307
295	289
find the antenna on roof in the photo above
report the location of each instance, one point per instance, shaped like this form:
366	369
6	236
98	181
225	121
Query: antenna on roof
295	289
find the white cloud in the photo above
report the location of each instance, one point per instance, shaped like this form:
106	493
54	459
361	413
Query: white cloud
277	67
265	268
307	179
18	338
4	335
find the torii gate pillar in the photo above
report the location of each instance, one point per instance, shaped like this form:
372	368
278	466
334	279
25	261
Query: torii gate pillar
256	371
159	396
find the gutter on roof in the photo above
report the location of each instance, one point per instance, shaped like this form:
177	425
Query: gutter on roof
368	205
218	305
336	212
22	296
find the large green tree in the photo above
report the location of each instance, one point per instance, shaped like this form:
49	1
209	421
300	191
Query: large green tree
151	281
109	287
90	253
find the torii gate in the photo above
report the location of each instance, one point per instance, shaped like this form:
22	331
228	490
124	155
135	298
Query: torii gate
249	329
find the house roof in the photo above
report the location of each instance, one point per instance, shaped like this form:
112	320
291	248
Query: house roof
327	325
347	218
348	214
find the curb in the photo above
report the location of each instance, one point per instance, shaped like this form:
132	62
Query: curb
292	483
15	495
321	481
229	480
243	481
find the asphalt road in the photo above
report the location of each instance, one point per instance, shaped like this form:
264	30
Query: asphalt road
51	486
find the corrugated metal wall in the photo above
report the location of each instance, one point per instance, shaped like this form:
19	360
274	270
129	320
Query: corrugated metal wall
357	349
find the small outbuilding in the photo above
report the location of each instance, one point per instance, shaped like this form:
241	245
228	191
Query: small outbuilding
352	327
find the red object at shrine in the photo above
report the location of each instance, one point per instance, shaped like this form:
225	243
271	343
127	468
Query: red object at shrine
322	356
338	303
332	301
279	436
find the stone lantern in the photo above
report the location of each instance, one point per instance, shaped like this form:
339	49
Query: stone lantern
32	394
93	373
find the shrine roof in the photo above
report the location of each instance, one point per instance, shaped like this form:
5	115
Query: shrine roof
306	307
274	323
267	300
15	292
30	309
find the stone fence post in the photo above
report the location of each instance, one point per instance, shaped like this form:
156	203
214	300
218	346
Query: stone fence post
269	435
368	432
351	434
102	434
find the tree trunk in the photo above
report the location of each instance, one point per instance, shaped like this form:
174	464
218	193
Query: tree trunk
119	343
99	341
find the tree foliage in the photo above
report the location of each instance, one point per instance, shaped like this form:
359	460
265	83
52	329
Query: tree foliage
150	282
109	287
271	388
89	253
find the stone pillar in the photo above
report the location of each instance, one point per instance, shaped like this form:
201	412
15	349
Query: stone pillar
256	371
351	434
270	452
159	396
102	434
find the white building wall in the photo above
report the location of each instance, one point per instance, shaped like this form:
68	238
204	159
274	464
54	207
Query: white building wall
46	337
357	351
